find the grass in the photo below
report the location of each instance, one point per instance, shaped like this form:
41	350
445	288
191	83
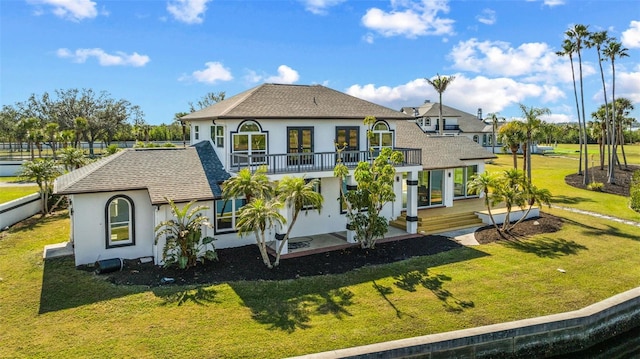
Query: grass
10	193
549	172
50	309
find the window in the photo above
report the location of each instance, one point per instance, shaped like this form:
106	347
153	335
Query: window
196	132
425	121
381	136
227	214
461	176
316	188
217	135
476	139
248	142
119	222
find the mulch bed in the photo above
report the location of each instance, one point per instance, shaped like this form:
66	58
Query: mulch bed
622	179
245	263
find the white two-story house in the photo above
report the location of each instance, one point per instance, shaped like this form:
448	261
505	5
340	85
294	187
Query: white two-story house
290	129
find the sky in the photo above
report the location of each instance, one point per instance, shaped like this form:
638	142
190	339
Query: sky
161	55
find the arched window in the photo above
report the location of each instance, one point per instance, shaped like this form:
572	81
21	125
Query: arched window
476	139
119	222
248	142
382	136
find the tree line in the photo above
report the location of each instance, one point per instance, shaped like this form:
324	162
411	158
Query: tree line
68	117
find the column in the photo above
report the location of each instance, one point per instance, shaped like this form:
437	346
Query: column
412	202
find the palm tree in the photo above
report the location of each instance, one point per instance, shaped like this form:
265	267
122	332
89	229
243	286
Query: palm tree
29	126
52	131
623	107
494	120
611	51
579	34
248	185
598	130
256	217
72	158
299	195
511	135
482	184
531	125
568	49
597	39
440	84
534	196
42	171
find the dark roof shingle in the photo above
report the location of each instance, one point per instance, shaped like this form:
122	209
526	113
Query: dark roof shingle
439	151
179	174
280	101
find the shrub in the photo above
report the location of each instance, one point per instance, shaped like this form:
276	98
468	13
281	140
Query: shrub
635	191
111	149
595	186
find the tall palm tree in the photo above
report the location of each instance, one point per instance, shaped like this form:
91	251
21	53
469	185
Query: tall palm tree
611	51
440	84
579	34
299	195
531	124
598	39
598	130
623	107
256	217
568	49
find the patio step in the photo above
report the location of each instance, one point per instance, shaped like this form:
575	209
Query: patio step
438	224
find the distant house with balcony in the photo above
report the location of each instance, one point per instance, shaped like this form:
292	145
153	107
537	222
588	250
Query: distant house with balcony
456	123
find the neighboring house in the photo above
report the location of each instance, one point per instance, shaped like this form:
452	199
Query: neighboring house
290	129
456	123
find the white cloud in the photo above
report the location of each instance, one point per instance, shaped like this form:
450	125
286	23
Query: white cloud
487	17
74	10
466	94
319	7
188	11
552	3
213	73
286	75
410	18
628	85
104	59
631	37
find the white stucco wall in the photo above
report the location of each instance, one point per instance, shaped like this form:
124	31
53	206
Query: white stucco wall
88	227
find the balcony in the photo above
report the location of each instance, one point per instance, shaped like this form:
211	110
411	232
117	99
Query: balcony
449	127
313	161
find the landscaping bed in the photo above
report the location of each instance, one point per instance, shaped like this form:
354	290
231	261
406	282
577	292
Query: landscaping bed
622	179
245	263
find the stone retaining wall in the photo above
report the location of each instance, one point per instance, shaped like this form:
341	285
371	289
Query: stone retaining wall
529	338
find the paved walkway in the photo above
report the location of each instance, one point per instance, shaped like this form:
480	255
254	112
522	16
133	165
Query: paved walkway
594	214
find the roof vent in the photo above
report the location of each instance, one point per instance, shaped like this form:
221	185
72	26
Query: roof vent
416	113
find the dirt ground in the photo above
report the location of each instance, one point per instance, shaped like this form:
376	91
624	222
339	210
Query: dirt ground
622	177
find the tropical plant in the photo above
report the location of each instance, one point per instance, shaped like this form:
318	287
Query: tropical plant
72	158
299	195
440	84
597	39
112	148
184	246
511	135
481	184
611	51
578	35
257	217
374	189
248	185
531	124
42	171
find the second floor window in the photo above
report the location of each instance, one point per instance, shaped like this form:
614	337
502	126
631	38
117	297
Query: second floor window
217	135
381	137
248	142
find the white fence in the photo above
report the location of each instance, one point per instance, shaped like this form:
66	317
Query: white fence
19	209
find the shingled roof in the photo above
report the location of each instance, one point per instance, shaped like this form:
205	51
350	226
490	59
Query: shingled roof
466	122
179	174
278	101
439	151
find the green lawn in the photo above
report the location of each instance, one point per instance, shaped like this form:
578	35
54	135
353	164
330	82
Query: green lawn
10	193
549	172
50	309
